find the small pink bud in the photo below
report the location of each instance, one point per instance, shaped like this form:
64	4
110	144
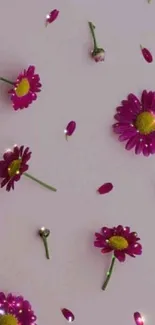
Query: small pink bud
146	54
138	318
98	55
68	315
105	188
52	16
70	128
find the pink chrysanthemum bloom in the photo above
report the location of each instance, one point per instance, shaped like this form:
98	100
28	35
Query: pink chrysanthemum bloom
119	240
14	310
14	164
136	123
25	89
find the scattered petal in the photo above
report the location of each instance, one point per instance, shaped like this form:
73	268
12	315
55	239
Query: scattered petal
146	54
68	315
70	128
52	16
105	188
139	320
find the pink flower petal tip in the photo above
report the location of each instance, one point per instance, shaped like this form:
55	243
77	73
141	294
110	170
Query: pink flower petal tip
146	54
52	16
68	315
71	126
138	318
105	188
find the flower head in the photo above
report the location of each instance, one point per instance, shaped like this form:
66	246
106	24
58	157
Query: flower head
98	55
136	123
13	165
14	310
119	240
25	89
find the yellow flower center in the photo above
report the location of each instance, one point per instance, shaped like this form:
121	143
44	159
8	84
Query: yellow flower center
145	123
13	169
117	242
8	319
23	88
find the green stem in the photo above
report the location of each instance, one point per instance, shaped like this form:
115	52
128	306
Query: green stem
109	273
149	1
46	247
40	182
6	80
92	27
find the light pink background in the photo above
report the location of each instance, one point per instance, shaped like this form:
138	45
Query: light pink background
76	88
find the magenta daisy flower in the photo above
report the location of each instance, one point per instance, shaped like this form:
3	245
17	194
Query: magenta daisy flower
119	240
14	164
136	123
25	88
14	310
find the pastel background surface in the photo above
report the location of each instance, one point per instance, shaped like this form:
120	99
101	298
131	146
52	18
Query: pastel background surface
76	88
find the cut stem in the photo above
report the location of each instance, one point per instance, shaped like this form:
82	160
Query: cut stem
109	273
46	247
92	27
40	182
7	81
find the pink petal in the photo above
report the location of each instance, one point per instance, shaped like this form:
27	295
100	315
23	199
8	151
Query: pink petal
138	318
106	250
68	315
71	126
146	54
105	188
52	16
120	255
